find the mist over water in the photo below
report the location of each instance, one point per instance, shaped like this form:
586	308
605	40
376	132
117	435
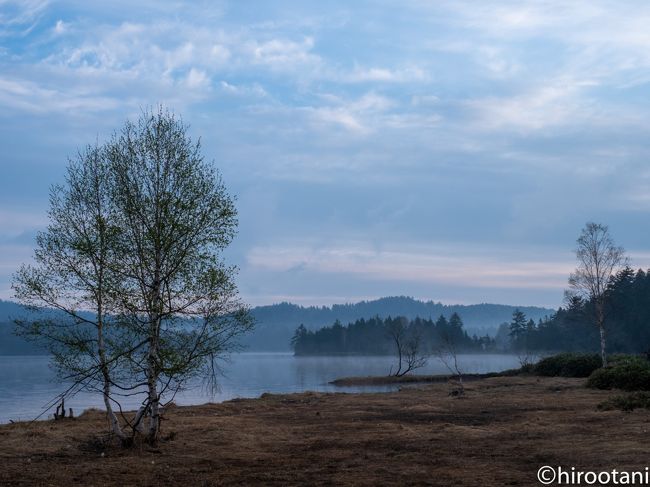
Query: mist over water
27	383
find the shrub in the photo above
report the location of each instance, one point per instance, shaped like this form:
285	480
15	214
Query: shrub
622	358
568	365
636	400
629	374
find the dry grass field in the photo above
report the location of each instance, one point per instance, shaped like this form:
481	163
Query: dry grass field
499	433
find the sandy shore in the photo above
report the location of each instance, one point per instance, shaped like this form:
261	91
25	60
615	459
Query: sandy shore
499	433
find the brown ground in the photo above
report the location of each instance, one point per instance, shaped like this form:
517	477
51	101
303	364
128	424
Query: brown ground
500	433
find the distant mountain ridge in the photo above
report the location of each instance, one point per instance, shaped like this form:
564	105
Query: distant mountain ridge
276	323
9	343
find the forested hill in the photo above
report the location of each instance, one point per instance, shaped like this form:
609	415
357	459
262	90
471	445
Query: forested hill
278	322
9	343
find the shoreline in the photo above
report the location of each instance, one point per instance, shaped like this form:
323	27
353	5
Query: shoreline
499	433
247	374
415	379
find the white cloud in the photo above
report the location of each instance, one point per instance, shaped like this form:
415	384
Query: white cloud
462	99
340	116
366	75
554	104
31	97
254	90
60	27
197	79
19	17
219	53
424	100
488	269
358	116
283	54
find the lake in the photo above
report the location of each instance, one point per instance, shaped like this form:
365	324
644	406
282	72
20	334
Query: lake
27	383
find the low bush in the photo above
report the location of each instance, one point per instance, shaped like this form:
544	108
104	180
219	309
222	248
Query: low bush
568	365
623	358
627	373
629	402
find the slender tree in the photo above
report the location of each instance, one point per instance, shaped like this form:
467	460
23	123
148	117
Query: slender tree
598	260
397	330
129	290
70	287
518	328
446	350
176	218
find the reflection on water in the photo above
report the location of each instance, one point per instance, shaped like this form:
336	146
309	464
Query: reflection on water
27	383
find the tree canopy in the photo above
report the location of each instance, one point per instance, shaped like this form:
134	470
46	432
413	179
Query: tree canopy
132	261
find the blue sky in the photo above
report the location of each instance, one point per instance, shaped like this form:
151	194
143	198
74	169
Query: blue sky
447	150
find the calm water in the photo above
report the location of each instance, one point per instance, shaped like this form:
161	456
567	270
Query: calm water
27	383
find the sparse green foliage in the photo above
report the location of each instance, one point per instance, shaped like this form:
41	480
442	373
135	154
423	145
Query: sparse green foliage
135	242
70	288
176	218
598	260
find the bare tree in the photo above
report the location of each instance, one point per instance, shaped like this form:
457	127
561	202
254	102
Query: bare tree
69	289
526	358
408	347
414	354
598	260
447	353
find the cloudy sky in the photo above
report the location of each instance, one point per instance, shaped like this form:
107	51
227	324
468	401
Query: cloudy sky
446	150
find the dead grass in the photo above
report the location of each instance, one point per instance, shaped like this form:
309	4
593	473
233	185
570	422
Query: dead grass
499	433
410	379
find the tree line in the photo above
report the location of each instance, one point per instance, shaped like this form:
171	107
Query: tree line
571	328
275	324
377	336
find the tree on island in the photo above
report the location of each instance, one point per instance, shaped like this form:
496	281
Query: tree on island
408	344
446	350
599	259
379	336
171	300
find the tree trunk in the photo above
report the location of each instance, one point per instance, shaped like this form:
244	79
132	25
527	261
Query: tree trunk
603	354
138	420
152	382
601	327
154	412
112	418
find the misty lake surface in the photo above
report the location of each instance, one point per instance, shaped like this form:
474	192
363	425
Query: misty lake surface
27	383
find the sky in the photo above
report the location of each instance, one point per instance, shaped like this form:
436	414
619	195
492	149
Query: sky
445	150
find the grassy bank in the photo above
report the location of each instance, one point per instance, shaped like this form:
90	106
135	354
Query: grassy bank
559	365
499	433
410	379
